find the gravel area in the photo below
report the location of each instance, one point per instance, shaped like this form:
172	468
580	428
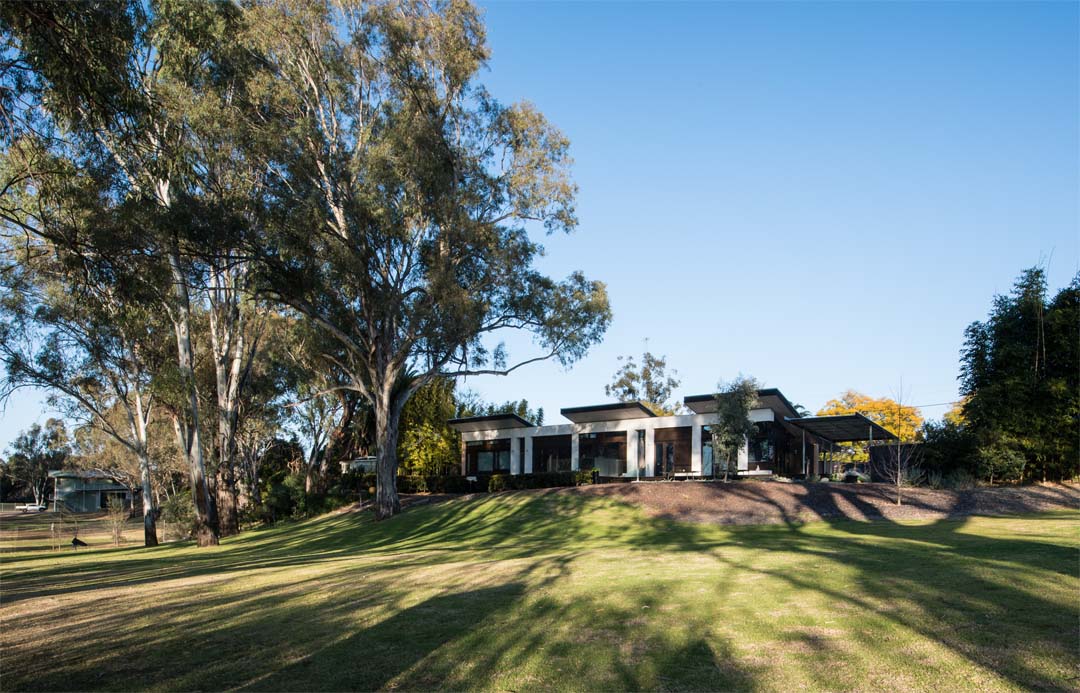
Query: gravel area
774	502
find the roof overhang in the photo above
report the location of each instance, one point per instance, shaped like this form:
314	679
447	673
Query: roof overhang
80	474
842	427
488	423
767	398
617	411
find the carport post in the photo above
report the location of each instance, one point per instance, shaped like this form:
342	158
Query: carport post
869	445
804	452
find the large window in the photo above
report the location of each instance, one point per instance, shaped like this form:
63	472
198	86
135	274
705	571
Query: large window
487	457
713	461
763	445
673	450
707	469
604	452
551	454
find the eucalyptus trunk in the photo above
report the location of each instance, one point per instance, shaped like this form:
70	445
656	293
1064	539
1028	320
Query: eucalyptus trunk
313	468
149	520
149	511
231	360
227	505
187	425
387	416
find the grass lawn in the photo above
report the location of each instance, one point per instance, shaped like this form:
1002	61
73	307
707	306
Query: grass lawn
556	591
21	532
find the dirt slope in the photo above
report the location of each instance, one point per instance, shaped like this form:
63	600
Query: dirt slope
778	502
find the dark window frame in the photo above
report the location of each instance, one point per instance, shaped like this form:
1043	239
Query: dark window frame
496	446
542	453
604	442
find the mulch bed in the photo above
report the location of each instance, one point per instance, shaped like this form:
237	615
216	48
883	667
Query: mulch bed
775	502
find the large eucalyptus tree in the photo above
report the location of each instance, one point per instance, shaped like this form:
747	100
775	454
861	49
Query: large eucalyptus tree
73	332
144	96
405	198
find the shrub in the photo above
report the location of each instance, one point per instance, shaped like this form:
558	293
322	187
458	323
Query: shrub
498	482
117	517
414	483
959	479
455	483
178	515
584	477
287	500
1000	461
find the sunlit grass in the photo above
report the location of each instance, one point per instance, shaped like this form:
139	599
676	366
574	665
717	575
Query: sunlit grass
556	590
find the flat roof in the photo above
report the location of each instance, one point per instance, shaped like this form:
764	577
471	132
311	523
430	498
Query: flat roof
706	404
489	422
80	474
607	412
842	427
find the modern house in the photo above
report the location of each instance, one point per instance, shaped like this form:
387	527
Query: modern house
86	491
627	440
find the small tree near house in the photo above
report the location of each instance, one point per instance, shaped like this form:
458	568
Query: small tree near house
734	401
901	467
117	516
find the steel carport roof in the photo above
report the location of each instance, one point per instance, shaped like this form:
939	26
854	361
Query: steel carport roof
842	427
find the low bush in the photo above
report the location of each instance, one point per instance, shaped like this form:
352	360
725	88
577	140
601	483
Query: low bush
1000	462
959	480
415	483
517	482
178	516
456	483
286	499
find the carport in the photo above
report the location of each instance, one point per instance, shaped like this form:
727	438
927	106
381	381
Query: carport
836	429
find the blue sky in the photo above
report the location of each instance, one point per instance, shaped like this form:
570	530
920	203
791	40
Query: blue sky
819	195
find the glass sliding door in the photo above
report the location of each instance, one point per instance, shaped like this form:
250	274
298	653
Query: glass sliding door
673	446
551	454
641	470
487	457
708	469
604	452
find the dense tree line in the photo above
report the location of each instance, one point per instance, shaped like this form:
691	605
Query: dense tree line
226	221
1020	378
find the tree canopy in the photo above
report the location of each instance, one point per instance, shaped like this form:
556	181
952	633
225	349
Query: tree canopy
1021	381
235	173
734	402
648	382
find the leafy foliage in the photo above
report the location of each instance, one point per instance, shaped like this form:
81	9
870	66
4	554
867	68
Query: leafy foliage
470	404
215	165
902	420
399	220
33	454
178	516
648	382
1020	379
734	402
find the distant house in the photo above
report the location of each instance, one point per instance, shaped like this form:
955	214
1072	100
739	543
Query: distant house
362	465
86	491
627	440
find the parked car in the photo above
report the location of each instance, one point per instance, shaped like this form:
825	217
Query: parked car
30	507
854	476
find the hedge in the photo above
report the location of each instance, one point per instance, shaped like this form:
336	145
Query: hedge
415	483
515	482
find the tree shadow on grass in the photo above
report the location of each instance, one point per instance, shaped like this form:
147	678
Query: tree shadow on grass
503	630
976	595
971	593
514	526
